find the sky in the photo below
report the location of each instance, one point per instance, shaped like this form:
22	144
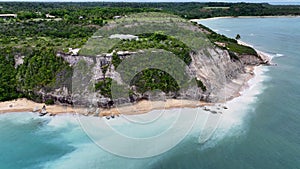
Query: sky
269	1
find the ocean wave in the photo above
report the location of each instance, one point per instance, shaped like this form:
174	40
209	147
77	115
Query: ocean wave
232	123
272	55
21	117
279	55
234	119
88	155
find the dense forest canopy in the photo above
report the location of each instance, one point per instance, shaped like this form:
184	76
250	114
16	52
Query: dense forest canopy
39	30
184	9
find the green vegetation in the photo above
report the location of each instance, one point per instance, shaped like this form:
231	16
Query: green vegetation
151	79
104	87
7	81
49	102
71	26
201	85
146	80
157	40
144	23
192	10
116	60
99	12
41	69
38	38
230	44
241	49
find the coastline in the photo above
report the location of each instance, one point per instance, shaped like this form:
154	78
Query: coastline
226	17
141	107
234	89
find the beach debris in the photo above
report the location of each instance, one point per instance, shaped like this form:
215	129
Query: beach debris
224	107
213	112
111	116
206	109
10	105
42	114
97	112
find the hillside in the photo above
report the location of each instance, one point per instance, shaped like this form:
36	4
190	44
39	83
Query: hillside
144	55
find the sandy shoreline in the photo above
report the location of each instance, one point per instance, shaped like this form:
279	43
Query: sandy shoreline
224	17
25	105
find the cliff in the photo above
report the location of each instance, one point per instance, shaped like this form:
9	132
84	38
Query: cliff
222	76
210	70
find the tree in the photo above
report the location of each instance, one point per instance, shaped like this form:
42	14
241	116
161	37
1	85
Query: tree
238	36
7	79
116	60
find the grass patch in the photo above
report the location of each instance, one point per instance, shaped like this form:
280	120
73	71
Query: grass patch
241	49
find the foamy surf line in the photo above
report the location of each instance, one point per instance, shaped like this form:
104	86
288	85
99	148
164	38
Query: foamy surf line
232	123
234	118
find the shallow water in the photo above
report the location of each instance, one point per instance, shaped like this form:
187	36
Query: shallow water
261	129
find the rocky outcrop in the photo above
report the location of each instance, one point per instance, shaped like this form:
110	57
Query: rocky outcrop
251	60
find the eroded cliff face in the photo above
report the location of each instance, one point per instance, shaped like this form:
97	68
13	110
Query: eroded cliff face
223	77
215	68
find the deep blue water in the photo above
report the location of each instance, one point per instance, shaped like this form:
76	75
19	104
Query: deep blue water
261	130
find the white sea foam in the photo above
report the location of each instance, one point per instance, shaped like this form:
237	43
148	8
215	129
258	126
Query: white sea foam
89	155
233	122
234	118
64	120
279	55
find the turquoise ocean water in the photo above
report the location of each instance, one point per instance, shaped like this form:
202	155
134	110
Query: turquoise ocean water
261	129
